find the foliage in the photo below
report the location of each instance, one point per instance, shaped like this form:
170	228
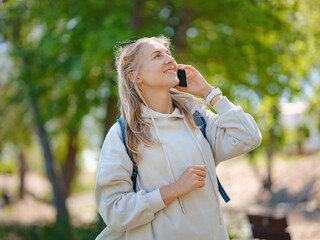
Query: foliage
60	60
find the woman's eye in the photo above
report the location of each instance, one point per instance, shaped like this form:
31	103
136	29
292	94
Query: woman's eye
156	56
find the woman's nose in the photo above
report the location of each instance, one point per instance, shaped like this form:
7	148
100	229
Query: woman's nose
169	59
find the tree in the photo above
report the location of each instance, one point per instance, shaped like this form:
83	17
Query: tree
255	51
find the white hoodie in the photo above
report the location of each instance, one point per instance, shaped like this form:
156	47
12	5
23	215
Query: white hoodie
143	215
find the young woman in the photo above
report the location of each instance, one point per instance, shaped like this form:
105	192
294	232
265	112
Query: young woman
177	191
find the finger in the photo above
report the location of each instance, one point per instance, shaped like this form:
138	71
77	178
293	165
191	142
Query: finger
187	67
200	173
202	185
182	89
201	180
201	167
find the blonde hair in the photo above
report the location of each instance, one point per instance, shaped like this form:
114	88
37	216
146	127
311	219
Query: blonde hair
131	97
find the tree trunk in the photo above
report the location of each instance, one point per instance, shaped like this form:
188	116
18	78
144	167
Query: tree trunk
70	161
181	32
112	113
56	183
22	173
136	18
270	152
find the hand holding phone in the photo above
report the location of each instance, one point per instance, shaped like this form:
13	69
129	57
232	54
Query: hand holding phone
182	76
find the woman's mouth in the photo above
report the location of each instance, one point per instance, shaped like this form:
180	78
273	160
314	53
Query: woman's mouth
170	71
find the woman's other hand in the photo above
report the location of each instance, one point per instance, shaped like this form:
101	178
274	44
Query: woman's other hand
192	178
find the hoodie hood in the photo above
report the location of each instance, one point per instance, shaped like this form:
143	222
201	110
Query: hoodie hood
149	113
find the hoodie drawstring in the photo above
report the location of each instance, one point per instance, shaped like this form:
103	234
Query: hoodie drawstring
205	161
168	162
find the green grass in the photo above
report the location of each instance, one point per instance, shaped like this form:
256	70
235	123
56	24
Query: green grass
53	232
48	232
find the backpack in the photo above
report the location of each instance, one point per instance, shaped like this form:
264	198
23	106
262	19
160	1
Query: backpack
200	122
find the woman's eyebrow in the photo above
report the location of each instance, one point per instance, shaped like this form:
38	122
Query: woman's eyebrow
155	52
158	51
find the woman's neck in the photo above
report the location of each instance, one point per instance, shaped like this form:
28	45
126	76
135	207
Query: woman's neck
159	101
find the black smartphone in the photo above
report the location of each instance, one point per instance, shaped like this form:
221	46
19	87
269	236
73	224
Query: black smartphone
183	80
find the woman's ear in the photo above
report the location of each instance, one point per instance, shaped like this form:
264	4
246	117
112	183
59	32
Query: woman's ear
131	78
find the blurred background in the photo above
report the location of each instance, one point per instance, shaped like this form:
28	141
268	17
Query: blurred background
58	98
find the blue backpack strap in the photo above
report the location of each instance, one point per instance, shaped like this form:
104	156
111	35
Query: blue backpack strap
201	122
223	193
135	167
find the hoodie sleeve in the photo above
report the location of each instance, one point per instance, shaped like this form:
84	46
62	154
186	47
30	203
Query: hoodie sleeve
120	207
231	132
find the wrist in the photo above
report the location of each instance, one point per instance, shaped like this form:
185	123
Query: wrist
174	189
213	96
205	91
215	99
169	193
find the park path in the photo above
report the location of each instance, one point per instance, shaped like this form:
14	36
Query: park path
295	194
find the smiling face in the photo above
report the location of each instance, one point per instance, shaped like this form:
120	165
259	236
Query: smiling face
158	68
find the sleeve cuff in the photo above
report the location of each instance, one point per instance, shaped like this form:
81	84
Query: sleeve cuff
155	200
223	105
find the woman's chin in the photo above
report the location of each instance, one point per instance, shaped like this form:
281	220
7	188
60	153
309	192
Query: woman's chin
174	85
172	82
176	81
